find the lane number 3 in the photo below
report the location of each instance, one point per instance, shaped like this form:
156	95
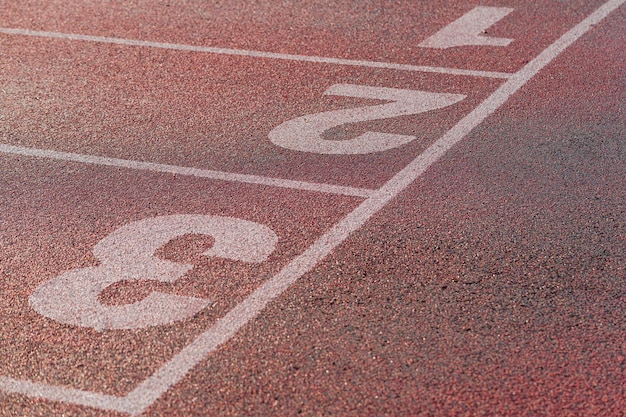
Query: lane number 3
128	254
304	133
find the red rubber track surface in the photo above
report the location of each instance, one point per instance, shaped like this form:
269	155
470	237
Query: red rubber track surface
493	285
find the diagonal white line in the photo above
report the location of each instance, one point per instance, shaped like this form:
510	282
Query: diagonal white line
174	370
255	54
195	172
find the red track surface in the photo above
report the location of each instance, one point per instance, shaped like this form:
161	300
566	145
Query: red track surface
495	284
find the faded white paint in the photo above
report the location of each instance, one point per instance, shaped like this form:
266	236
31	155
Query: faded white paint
178	170
304	133
469	30
256	54
128	254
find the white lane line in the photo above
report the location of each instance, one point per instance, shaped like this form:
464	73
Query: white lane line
62	394
255	54
175	370
194	172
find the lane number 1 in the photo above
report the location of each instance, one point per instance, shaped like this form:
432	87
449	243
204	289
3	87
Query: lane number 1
468	30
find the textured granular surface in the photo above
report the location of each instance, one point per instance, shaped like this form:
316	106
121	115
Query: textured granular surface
494	284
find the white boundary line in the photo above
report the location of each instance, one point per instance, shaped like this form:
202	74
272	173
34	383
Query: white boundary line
255	54
146	393
194	172
60	394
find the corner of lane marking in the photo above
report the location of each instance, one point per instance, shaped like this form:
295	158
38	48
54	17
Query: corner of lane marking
67	395
147	392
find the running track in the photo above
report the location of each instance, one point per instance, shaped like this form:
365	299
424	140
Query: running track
312	209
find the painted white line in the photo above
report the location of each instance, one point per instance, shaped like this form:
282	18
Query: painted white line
174	370
65	394
255	54
195	172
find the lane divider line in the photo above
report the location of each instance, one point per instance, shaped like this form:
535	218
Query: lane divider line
255	54
173	371
61	394
188	171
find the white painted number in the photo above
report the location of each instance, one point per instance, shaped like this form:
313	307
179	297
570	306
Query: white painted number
305	133
468	30
128	254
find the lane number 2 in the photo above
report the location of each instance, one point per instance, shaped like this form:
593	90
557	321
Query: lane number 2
128	254
304	133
